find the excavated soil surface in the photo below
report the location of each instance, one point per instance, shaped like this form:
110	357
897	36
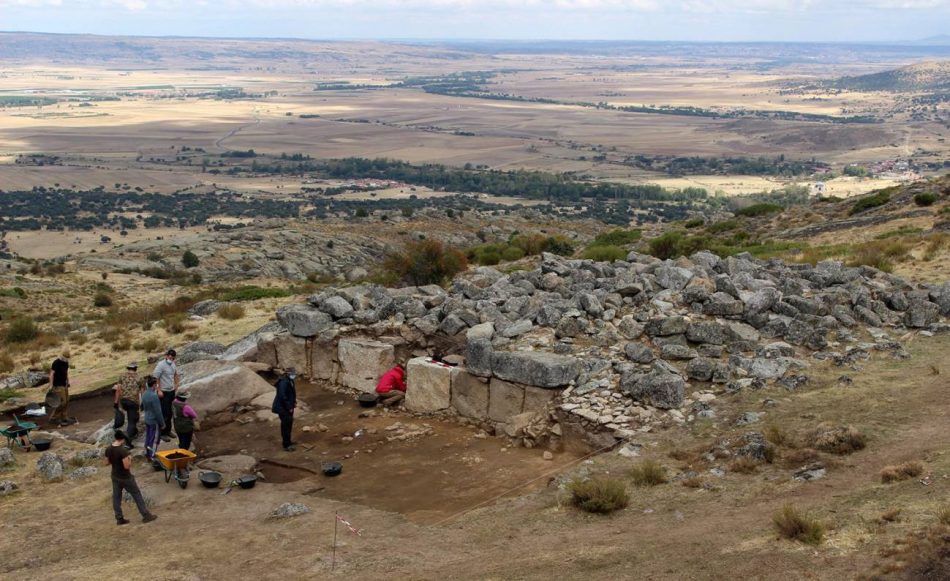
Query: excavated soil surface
424	468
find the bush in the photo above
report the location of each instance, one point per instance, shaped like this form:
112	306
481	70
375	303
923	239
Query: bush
425	262
9	393
149	345
901	472
694	222
253	293
758	210
189	259
648	473
723	226
866	203
617	237
605	253
15	293
599	495
512	253
175	323
102	299
6	363
881	254
793	525
560	245
925	199
837	440
231	312
22	330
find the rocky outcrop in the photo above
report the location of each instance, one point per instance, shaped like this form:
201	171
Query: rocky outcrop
218	385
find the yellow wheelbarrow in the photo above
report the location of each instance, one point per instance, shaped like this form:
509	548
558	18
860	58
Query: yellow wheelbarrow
176	464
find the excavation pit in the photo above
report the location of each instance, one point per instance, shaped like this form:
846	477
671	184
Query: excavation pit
427	469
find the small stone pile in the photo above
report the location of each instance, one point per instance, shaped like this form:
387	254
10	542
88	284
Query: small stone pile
624	342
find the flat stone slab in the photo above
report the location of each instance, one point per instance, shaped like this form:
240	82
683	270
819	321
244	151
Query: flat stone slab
428	385
505	400
535	368
363	362
469	394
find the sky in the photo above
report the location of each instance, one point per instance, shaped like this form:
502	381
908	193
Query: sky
714	20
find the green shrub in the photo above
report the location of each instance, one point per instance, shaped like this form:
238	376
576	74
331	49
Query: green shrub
560	245
925	199
102	299
723	226
253	293
694	222
512	253
9	393
617	237
599	495
154	257
149	345
758	210
530	244
231	312
189	259
425	262
22	330
792	524
868	202
15	292
648	473
605	253
175	323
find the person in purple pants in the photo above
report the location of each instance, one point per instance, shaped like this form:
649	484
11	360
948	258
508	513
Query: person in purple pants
154	419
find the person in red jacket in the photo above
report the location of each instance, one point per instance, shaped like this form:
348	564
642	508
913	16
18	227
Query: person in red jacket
391	388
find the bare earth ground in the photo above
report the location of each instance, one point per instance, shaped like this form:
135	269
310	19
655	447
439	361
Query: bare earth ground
667	532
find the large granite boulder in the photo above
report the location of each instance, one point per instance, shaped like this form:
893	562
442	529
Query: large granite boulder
535	368
303	320
660	387
428	385
217	385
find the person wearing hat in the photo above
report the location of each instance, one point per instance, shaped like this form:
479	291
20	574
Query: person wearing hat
184	417
57	397
285	400
128	397
167	375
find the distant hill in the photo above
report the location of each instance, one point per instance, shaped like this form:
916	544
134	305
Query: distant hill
927	76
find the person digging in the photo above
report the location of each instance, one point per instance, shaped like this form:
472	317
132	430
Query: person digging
285	400
117	455
391	388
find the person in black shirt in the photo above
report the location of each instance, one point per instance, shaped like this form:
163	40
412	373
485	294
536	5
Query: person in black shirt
58	395
117	456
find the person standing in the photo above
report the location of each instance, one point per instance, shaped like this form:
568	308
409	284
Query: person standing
154	421
117	456
58	394
184	418
128	397
285	400
167	375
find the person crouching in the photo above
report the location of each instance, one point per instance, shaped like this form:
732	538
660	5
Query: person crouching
391	388
184	420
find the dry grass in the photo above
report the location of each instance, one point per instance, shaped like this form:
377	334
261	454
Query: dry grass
944	516
881	254
599	495
837	440
900	472
935	244
648	473
794	525
892	515
921	556
744	465
6	363
779	437
231	312
694	482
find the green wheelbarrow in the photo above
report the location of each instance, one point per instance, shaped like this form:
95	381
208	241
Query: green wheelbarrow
18	434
